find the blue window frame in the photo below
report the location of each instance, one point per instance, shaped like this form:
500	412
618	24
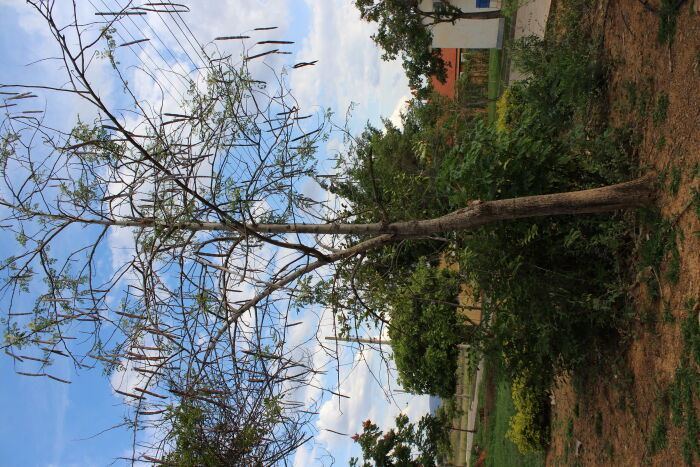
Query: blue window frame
483	3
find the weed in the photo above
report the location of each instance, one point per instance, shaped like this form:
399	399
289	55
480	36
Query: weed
658	440
687	451
681	393
690	329
598	424
660	241
695	198
622	403
661	111
675	181
668	12
667	314
608	450
673	267
695	171
630	89
660	143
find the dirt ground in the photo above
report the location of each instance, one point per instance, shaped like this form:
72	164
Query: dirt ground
612	419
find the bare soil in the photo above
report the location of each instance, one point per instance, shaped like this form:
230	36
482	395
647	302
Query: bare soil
613	416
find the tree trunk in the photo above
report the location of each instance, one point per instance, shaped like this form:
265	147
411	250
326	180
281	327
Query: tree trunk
635	194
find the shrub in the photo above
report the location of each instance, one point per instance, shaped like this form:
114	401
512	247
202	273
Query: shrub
529	427
424	331
554	284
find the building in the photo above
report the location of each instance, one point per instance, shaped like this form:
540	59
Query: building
467	33
458	62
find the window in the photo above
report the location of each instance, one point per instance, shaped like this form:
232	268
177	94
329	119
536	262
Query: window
483	3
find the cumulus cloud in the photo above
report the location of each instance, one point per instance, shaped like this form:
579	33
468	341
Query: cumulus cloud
349	68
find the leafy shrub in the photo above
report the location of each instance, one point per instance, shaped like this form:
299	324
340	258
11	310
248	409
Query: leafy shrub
554	284
424	331
566	77
529	427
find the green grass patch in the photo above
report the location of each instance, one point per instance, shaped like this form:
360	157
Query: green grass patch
658	244
499	450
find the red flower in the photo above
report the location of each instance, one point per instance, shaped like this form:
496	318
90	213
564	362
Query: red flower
355	437
366	423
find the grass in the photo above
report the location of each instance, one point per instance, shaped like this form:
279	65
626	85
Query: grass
675	181
681	396
659	438
491	436
658	245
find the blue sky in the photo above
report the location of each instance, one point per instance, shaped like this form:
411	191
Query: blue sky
45	422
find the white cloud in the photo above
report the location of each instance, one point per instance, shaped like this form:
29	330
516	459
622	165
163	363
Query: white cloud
367	401
399	110
349	67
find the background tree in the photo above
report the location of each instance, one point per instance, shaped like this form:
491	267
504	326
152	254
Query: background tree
404	31
207	189
421	445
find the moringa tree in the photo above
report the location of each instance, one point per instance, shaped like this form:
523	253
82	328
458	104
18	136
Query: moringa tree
206	189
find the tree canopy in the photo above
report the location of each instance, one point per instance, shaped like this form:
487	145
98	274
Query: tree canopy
407	445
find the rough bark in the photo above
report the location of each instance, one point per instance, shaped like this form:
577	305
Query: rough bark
635	194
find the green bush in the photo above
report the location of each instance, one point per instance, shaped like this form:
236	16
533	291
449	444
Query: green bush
424	331
529	427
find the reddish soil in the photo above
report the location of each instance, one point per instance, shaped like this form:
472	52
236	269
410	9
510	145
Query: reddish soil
614	415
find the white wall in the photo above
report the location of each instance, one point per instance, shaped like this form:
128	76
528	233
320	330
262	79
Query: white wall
466	33
466	6
469	34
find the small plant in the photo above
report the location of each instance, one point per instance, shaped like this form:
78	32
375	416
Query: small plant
667	314
668	12
569	433
660	143
658	440
659	243
622	403
675	181
598	424
661	110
